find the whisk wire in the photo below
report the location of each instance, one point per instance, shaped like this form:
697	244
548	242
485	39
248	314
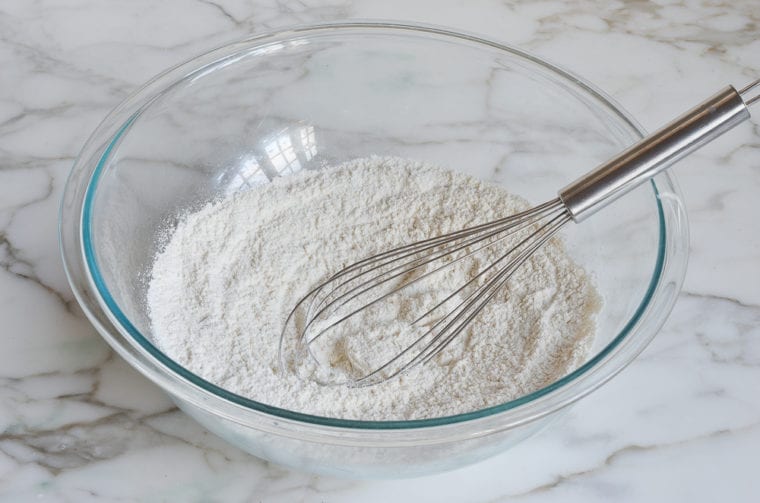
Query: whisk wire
512	224
531	212
500	280
430	243
751	92
405	268
474	306
479	275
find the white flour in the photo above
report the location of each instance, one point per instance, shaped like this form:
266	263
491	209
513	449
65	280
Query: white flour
224	284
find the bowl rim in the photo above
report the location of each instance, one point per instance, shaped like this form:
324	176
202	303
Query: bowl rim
127	112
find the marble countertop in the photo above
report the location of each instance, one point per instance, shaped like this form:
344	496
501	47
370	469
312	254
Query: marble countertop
682	423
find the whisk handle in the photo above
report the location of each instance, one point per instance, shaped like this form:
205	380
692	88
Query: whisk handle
658	151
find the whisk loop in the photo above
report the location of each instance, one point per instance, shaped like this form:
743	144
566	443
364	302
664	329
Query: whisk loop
320	331
447	313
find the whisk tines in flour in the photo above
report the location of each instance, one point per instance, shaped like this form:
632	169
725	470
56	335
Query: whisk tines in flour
336	305
415	290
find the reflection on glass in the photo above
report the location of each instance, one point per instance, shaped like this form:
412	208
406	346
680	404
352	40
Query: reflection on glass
308	142
282	156
248	174
284	153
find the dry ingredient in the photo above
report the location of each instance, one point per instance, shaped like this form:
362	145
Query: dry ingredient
227	278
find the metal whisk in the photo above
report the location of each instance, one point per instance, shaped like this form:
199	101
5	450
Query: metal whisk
381	278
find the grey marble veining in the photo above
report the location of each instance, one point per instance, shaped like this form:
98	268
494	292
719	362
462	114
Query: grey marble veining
682	423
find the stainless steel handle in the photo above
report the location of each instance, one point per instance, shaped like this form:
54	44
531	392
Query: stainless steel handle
658	151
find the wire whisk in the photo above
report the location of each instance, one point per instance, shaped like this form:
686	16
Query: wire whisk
336	305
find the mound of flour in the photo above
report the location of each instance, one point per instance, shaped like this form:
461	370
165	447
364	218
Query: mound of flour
227	278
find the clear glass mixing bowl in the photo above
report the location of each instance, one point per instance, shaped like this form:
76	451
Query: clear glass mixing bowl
275	104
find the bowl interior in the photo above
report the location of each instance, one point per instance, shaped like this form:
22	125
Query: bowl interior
304	101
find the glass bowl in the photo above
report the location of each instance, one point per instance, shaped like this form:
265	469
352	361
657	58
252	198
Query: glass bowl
308	97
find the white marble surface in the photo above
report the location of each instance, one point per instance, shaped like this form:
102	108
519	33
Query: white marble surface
77	424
